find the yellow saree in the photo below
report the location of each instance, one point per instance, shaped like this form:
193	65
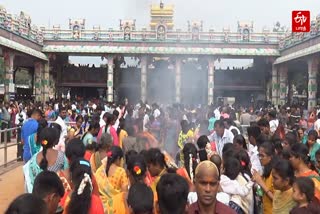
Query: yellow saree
110	186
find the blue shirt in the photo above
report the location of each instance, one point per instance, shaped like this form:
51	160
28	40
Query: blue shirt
29	128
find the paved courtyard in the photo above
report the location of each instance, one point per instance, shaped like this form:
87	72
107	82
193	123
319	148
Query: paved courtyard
11	185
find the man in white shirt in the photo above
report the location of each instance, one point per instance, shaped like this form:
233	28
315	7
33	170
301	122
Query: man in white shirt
228	123
156	111
317	124
23	114
273	121
64	131
253	133
217	113
221	136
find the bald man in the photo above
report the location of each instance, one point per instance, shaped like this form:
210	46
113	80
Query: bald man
207	184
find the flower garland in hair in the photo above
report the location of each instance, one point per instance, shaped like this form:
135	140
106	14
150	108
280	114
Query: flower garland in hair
86	179
191	167
109	154
137	170
208	150
243	164
44	142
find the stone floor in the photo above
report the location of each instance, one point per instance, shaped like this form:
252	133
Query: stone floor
11	185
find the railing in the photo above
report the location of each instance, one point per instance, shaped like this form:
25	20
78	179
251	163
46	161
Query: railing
170	36
5	145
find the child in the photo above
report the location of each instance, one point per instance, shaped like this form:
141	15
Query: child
303	194
233	183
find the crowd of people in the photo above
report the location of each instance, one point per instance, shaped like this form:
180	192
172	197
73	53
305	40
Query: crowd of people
106	158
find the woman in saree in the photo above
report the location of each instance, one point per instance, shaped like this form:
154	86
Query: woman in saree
157	167
300	161
110	120
76	131
104	147
186	136
111	177
47	159
136	171
190	163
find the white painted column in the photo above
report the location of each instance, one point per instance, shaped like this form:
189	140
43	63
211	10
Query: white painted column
143	64
9	69
45	82
275	86
211	81
283	74
312	82
110	79
178	80
38	71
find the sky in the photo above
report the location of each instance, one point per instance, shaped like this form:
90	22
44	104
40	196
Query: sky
215	14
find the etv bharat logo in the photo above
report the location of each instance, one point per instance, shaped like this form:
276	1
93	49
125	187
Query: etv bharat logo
301	21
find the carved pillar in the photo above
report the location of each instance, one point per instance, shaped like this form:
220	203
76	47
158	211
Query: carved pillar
211	81
144	65
275	86
45	82
52	87
178	80
9	69
110	79
38	75
283	73
312	82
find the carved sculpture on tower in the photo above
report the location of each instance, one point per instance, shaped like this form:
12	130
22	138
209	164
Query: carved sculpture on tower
8	21
161	33
3	15
77	26
318	23
195	27
96	34
226	32
56	31
15	24
245	29
265	32
24	24
313	28
127	26
161	19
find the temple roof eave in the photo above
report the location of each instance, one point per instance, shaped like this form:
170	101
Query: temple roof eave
298	54
160	50
21	48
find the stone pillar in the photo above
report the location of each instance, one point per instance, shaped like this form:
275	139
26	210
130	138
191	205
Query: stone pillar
38	76
275	86
210	81
312	82
283	75
9	69
178	80
52	87
45	82
110	79
144	65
